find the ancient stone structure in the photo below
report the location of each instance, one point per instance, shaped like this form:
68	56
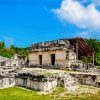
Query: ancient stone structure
4	61
54	54
45	80
36	81
58	53
16	60
85	78
7	77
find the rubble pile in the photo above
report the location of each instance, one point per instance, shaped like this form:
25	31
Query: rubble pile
7	77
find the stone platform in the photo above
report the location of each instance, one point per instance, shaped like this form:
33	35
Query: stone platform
45	80
37	80
7	77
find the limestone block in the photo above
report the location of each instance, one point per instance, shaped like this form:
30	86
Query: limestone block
46	58
7	82
43	86
60	55
33	58
28	85
1	82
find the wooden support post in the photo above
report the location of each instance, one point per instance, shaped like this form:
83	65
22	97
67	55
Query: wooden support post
76	50
93	58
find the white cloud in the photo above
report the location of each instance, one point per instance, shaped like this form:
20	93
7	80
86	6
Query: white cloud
88	34
96	2
83	17
83	34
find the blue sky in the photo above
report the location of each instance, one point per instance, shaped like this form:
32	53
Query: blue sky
23	22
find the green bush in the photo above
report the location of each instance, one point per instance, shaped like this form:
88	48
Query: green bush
87	59
98	67
97	63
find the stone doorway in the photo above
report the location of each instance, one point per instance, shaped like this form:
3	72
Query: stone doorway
40	59
52	59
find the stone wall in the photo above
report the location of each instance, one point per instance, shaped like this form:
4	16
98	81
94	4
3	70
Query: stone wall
45	80
85	78
6	82
64	53
61	58
37	80
7	76
36	85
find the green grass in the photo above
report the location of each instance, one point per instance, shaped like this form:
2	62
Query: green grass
17	93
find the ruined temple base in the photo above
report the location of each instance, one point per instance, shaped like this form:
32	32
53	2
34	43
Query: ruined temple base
47	80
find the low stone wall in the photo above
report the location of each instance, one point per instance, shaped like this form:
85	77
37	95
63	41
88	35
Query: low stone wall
36	81
98	84
42	81
6	82
45	80
36	85
7	76
85	78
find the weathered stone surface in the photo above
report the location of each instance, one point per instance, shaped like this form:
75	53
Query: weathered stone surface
42	81
63	51
85	78
61	58
46	80
7	77
16	60
51	45
7	82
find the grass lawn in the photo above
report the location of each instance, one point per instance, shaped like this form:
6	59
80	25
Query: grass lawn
18	93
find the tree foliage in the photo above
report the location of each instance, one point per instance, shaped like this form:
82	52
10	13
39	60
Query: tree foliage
20	51
2	45
87	59
95	44
9	52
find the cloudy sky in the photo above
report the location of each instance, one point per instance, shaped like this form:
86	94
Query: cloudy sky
23	22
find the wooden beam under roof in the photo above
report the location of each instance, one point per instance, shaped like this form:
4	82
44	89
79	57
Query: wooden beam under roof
83	48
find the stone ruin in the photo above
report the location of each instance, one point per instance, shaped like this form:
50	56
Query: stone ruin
7	77
15	60
58	54
45	80
36	80
53	54
47	46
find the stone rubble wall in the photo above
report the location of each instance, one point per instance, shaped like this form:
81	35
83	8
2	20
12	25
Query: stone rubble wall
7	76
46	80
75	78
85	78
62	58
51	45
64	80
36	85
7	82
